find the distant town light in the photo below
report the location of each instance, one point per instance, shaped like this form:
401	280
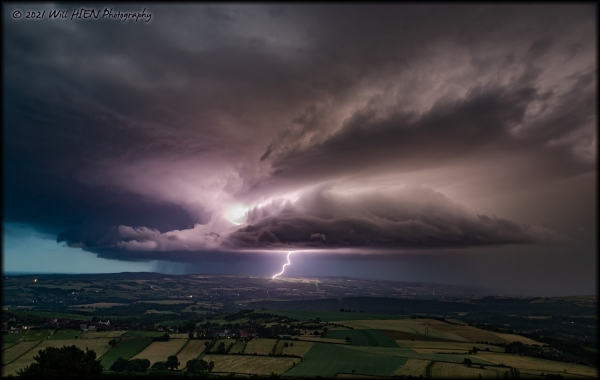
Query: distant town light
35	280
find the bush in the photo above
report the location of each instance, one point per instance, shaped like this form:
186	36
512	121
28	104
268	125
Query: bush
119	365
163	338
172	362
159	366
199	366
144	363
133	367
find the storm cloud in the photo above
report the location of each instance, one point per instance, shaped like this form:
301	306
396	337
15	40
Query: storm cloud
409	218
215	129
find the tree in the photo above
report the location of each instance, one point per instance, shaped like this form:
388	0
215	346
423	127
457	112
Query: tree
349	340
113	342
172	362
190	335
137	365
159	366
133	367
198	366
467	361
64	362
119	365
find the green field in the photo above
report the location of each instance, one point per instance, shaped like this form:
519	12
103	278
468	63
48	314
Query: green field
7	345
327	360
10	354
11	338
168	302
102	334
65	334
145	334
330	316
126	349
408	353
373	338
238	348
52	314
154	311
416	328
295	348
99	305
35	335
260	346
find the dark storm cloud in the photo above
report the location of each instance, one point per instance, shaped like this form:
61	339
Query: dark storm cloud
479	126
410	218
155	137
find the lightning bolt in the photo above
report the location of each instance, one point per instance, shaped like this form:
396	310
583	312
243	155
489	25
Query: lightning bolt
284	265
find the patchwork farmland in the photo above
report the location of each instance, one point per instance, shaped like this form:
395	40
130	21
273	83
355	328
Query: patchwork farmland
260	346
126	349
301	343
252	365
192	350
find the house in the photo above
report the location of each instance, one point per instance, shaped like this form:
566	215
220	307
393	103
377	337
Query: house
104	322
83	326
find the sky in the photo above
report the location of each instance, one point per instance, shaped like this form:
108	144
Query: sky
440	143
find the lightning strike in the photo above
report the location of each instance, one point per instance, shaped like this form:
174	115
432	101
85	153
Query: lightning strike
284	265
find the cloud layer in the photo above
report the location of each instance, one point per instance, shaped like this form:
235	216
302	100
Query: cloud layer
218	128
